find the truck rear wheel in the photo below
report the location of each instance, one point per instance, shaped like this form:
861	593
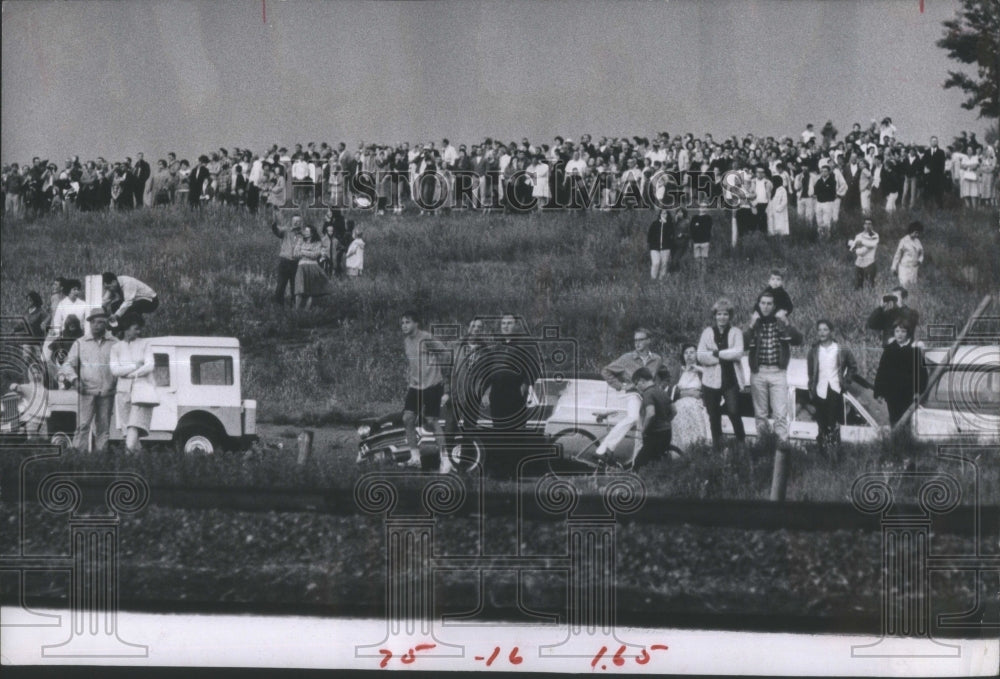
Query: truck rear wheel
195	439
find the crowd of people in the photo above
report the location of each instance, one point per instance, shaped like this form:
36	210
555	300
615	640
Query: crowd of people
500	370
96	350
763	177
308	259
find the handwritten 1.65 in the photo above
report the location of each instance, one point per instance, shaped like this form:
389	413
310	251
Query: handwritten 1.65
514	657
619	658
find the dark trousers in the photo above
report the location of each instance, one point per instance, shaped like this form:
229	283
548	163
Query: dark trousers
934	191
138	307
286	279
897	405
654	447
712	398
253	197
828	414
862	274
745	221
760	217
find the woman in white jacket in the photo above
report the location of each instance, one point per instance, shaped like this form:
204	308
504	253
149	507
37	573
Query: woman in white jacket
777	209
132	363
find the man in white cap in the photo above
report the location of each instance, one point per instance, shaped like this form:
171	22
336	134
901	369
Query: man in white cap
88	367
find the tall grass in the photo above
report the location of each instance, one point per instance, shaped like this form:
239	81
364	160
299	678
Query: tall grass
585	272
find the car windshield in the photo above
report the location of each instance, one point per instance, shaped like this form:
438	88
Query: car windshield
546	391
975	389
583	394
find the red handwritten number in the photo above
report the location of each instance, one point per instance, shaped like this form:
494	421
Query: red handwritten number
496	652
514	658
388	656
597	658
618	659
643	658
658	647
426	647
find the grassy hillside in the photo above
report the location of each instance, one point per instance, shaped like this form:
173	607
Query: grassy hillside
585	272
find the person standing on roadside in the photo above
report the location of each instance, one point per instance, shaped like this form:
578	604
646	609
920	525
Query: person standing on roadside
901	372
88	367
656	418
719	352
769	340
831	369
426	387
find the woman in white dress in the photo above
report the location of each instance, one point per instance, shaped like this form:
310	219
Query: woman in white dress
777	209
969	184
540	177
690	425
131	361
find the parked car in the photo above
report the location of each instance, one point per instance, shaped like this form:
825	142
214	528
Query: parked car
965	403
197	380
473	446
858	424
566	419
585	410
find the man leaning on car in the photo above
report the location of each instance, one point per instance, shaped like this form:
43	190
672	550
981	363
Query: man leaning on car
618	374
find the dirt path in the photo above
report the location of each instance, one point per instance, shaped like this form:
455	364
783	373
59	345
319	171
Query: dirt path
339	442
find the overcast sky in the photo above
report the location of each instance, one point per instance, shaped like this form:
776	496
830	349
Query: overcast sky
114	78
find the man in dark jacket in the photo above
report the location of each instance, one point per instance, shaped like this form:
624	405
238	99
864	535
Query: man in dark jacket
511	366
196	181
141	172
768	341
934	161
893	309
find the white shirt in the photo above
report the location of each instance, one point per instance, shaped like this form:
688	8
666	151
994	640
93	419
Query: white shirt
658	155
256	172
826	358
133	289
300	170
760	191
449	155
66	307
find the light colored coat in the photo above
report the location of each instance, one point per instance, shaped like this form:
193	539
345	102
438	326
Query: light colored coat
712	376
